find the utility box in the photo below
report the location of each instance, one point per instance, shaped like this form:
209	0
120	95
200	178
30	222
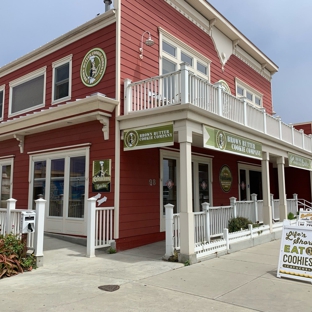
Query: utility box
28	219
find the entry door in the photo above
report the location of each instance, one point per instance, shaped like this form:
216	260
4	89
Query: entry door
61	181
250	182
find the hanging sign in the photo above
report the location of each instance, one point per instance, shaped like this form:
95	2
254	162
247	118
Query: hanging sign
93	67
225	178
299	162
295	260
101	175
141	138
231	143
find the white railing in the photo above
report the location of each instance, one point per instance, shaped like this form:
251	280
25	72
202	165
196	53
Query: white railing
182	87
211	222
10	223
100	227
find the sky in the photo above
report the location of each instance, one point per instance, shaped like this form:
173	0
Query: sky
281	29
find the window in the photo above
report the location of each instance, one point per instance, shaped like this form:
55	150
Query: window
61	85
60	179
1	101
252	96
5	182
176	52
27	92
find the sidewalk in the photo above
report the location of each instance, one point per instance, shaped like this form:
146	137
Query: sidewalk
68	281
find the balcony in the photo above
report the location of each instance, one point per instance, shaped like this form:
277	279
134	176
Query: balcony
183	87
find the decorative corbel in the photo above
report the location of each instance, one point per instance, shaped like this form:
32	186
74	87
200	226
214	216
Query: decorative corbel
105	122
263	66
20	138
235	44
212	22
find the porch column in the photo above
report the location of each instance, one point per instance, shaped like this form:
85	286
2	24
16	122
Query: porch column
281	188
187	252
267	212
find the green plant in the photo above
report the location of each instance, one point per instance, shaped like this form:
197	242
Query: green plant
187	263
291	216
238	223
12	258
111	250
174	257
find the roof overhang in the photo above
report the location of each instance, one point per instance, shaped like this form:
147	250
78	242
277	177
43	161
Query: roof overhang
95	107
210	13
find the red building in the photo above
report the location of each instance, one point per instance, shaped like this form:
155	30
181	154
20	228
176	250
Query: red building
171	105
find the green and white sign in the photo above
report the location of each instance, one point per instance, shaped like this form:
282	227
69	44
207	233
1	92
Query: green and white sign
299	162
295	260
231	143
141	138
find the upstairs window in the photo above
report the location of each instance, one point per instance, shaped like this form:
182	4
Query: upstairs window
1	101
61	85
173	52
252	96
27	92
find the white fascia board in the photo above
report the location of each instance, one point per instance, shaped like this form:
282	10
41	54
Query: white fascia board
78	33
209	12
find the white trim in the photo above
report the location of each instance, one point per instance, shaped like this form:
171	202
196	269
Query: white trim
253	91
28	77
100	22
6	157
186	49
56	64
60	148
48	157
2	89
7	162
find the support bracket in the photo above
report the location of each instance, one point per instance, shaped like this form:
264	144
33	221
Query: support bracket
20	138
105	122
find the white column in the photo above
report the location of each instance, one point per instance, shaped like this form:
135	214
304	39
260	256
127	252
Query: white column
281	188
184	83
187	246
39	230
127	97
91	227
207	221
233	204
267	213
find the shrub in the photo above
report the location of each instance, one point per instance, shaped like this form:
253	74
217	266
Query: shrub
238	223
291	216
12	260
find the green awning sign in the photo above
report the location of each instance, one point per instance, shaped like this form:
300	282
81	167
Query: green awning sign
231	143
299	162
141	138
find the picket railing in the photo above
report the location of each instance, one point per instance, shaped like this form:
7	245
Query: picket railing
183	87
10	223
100	227
212	222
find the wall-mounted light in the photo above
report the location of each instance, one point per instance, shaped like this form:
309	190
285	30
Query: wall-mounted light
149	42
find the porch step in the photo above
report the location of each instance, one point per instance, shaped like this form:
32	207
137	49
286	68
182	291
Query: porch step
72	239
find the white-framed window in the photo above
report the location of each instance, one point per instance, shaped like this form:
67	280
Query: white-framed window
61	178
252	95
62	79
173	52
2	89
6	175
28	92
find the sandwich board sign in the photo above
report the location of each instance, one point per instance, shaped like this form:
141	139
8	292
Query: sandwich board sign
295	260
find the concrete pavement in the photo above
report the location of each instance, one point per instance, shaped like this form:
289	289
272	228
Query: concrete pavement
68	281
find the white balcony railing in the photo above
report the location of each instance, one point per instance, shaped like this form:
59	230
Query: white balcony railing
183	87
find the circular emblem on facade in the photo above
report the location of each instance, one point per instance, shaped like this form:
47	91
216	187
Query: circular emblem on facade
221	140
225	178
93	67
131	138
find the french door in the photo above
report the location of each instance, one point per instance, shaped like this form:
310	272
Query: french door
250	182
61	179
170	183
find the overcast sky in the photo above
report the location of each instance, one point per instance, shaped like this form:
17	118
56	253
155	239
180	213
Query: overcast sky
281	29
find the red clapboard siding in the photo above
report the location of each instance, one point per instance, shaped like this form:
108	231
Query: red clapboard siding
104	39
77	134
307	128
158	13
